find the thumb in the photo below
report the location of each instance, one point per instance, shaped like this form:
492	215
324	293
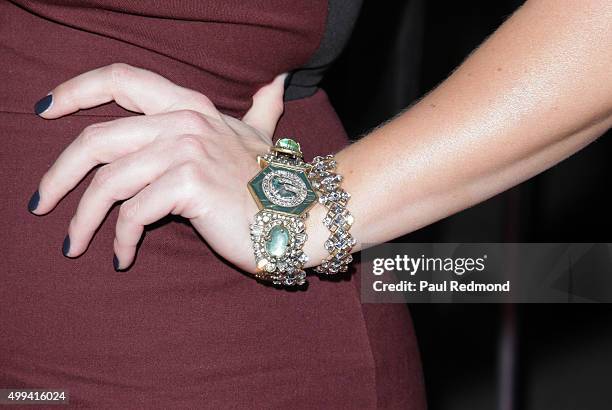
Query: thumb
267	106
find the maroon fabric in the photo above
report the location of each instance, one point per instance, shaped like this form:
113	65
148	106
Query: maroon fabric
181	329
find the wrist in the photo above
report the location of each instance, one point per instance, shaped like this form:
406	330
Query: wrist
290	232
317	235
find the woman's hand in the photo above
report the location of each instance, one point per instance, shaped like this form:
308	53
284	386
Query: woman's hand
183	157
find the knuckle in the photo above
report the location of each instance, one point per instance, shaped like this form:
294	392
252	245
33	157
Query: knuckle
103	176
191	146
90	136
194	122
191	175
203	101
129	209
120	73
190	171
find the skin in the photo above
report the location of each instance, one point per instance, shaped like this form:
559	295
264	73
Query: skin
168	161
538	90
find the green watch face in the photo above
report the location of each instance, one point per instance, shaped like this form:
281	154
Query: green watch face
283	189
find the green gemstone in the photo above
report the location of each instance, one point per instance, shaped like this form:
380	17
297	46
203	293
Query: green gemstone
278	239
289	144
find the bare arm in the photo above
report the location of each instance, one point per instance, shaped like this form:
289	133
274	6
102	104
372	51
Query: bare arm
537	91
534	93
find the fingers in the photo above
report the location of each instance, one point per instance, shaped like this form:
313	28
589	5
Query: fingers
133	88
106	142
122	179
142	152
167	195
267	106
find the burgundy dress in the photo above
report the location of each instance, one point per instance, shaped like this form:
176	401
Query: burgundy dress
181	328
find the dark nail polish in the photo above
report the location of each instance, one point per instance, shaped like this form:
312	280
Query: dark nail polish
43	104
66	245
33	204
116	263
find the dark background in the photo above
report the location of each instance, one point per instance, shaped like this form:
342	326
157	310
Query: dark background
486	356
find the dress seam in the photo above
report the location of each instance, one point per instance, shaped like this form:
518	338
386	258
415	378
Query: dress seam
365	327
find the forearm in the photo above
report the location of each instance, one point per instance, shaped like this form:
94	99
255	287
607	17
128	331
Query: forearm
534	93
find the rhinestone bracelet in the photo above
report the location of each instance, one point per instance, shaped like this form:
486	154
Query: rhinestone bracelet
338	219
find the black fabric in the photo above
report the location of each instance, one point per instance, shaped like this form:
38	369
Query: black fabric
341	17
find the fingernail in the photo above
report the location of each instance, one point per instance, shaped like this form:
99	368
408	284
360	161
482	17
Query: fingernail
43	104
66	245
116	263
33	204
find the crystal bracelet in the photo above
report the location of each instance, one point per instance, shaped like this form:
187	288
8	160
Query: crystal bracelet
338	219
